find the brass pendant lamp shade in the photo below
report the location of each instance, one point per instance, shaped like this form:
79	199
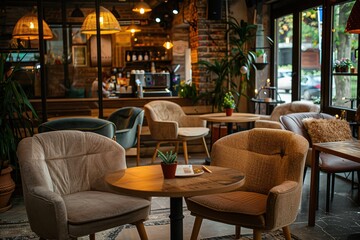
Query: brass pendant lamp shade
168	44
142	7
27	28
108	23
353	22
133	28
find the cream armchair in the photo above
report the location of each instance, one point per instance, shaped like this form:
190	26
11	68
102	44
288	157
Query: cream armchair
64	189
273	163
273	120
168	123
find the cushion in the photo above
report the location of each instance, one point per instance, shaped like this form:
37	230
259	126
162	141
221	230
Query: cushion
327	130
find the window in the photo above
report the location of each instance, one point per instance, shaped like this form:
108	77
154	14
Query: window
344	63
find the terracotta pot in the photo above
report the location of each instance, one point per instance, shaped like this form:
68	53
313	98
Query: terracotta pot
169	170
345	69
229	111
7	187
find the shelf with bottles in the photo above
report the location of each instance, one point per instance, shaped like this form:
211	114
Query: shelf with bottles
147	55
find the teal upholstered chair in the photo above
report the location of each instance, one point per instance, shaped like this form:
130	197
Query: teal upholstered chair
96	125
128	121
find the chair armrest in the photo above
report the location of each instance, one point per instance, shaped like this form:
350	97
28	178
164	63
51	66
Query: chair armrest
283	201
191	121
268	124
164	130
48	213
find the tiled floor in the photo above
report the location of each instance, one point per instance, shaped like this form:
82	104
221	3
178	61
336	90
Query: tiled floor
342	223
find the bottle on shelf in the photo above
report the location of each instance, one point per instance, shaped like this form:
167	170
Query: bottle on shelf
140	56
128	57
134	57
146	56
153	70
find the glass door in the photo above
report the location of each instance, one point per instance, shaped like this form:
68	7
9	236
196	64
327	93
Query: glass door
310	64
283	58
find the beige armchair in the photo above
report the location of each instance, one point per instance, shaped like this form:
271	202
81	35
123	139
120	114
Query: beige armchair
272	121
273	163
64	189
169	124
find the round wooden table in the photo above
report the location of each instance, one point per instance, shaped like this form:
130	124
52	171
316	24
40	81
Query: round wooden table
234	118
148	181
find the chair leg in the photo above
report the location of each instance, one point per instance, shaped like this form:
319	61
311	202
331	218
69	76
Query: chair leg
196	228
155	153
186	156
92	236
328	191
332	186
237	232
141	230
257	234
138	145
305	169
286	232
206	148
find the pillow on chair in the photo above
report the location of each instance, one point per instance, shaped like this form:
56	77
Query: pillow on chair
327	130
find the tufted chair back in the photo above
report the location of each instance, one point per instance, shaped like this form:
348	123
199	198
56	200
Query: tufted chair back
293	107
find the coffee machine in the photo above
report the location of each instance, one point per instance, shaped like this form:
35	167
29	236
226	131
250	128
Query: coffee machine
150	84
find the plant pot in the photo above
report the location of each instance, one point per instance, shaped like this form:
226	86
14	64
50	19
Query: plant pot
229	111
169	170
7	187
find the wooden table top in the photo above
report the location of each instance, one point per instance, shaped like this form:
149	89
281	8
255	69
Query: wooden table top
345	149
146	181
234	118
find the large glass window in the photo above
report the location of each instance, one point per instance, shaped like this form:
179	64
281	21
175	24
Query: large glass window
283	58
344	60
310	75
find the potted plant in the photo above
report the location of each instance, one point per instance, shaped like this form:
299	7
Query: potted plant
229	103
342	65
168	163
16	115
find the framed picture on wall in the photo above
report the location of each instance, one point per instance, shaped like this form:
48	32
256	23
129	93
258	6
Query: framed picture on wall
79	55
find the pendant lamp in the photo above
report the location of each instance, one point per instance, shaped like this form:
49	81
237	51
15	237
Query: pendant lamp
108	23
27	28
168	44
133	28
353	22
142	7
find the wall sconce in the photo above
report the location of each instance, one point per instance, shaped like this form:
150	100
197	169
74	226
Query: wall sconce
27	28
142	7
353	22
168	44
77	12
108	23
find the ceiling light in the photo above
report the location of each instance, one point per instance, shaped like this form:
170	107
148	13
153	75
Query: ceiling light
27	28
168	44
142	7
108	23
133	28
175	7
77	12
353	22
157	19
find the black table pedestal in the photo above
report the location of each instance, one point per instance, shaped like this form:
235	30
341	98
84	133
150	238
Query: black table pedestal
176	218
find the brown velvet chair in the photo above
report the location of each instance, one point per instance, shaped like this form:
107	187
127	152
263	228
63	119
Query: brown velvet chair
64	190
272	121
273	163
328	163
169	124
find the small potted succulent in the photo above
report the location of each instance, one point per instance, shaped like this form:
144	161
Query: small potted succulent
168	163
229	103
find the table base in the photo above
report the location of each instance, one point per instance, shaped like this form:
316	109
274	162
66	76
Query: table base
176	218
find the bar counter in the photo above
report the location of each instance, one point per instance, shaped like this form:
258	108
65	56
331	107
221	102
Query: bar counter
89	106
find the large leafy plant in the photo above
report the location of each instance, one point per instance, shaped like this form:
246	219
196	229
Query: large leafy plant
16	113
230	76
